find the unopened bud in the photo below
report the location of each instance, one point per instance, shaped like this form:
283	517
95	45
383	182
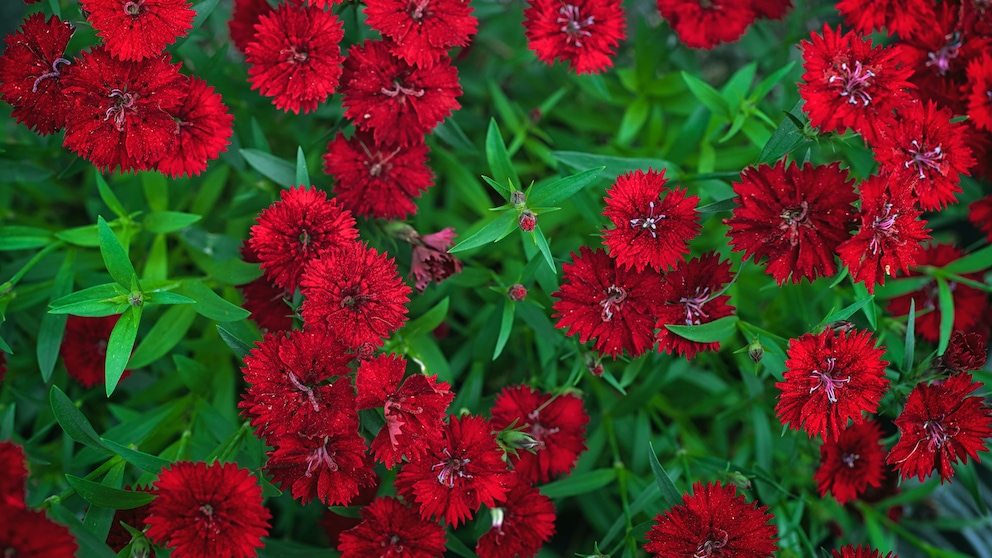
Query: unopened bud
841	326
517	292
518	440
528	221
518	199
740	480
140	548
755	350
593	364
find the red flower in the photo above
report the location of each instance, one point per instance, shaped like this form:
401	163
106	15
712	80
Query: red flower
32	69
422	31
302	226
244	16
891	236
979	72
295	57
139	29
851	463
965	352
357	293
430	260
202	132
392	530
849	84
690	297
332	467
29	534
458	475
119	537
268	303
941	425
204	510
980	215
714	521
584	33
902	17
615	306
850	551
374	180
333	524
84	348
13	475
771	9
648	230
796	217
831	378
521	524
556	423
397	102
704	24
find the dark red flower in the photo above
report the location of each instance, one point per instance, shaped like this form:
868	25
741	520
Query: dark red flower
851	463
295	58
330	467
691	296
521	524
269	304
965	352
333	524
139	29
13	475
615	306
302	226
244	16
32	72
430	260
584	33
392	530
517	292
831	378
849	84
980	215
453	478
850	551
706	23
796	217
939	426
202	133
649	229
714	521
3	365
556	423
978	92
891	237
29	534
204	510
119	537
771	9
422	31
397	102
84	348
377	180
902	17
357	293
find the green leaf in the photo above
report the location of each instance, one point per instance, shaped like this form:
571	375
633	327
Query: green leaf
542	245
975	261
505	327
710	97
120	345
563	188
234	271
427	322
156	190
710	332
167	298
454	544
89	545
239	347
848	311
108	196
97	301
766	84
157	261
24	238
946	301
168	221
451	133
728	204
72	421
277	170
785	138
53	325
105	496
612	166
87	236
669	493
581	483
302	174
114	256
909	348
7	422
633	120
203	11
211	304
492	232
499	161
167	332
149	463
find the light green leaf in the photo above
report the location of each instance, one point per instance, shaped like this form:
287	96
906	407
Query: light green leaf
612	166
278	170
119	346
505	327
710	97
581	483
710	332
114	256
168	331
946	301
492	232
562	189
108	197
302	174
24	238
168	221
499	161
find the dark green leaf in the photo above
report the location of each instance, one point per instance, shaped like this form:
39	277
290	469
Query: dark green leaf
100	300
276	548
105	496
728	204
612	166
451	133
211	304
114	256
785	138
120	345
454	544
149	463
505	327
428	321
203	11
167	332
766	84
499	161
669	493
492	232
7	422
72	421
108	196
168	221
89	545
909	348
53	325
562	189
24	238
278	170
581	483
633	120
710	332
235	272
302	174
167	298
710	97
239	347
848	311
946	301
542	245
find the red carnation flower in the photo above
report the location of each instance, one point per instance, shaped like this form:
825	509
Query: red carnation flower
458	475
430	260
302	226
965	352
794	216
397	102
295	57
84	348
356	292
268	303
690	295
902	17
891	236
521	524
389	528
831	378
648	230
704	24
204	510
332	467
32	70
978	96
202	132
980	215
139	29
556	423
584	33
714	521
849	84
377	180
244	15
615	306
851	463
850	551
29	534
13	475
941	425
422	31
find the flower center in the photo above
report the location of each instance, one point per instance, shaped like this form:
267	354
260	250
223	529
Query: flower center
791	219
614	298
354	298
573	26
941	59
53	73
883	225
399	88
694	306
133	8
538	430
923	158
305	238
318	458
395	544
378	163
712	545
936	434
451	469
418	10
849	459
305	389
826	380
854	83
294	56
122	101
207	516
648	223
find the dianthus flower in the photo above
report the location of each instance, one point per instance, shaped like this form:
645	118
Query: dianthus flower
520	525
902	17
556	423
891	237
331	467
32	72
965	352
584	33
704	24
295	56
84	348
615	306
13	475
850	551
453	478
648	229
941	425
391	529
357	293
714	521
377	180
691	296
430	260
202	132
851	463
204	510
396	101
979	92
268	303
831	378
794	216
980	215
422	31
849	84
29	534
139	29
302	226
244	16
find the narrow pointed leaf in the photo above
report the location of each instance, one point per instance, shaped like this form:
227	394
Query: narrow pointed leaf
114	255
119	347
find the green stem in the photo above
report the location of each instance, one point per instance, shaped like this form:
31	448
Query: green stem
9	285
107	465
233	444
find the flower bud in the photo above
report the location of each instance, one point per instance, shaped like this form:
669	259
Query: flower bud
518	199
528	221
517	292
755	350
